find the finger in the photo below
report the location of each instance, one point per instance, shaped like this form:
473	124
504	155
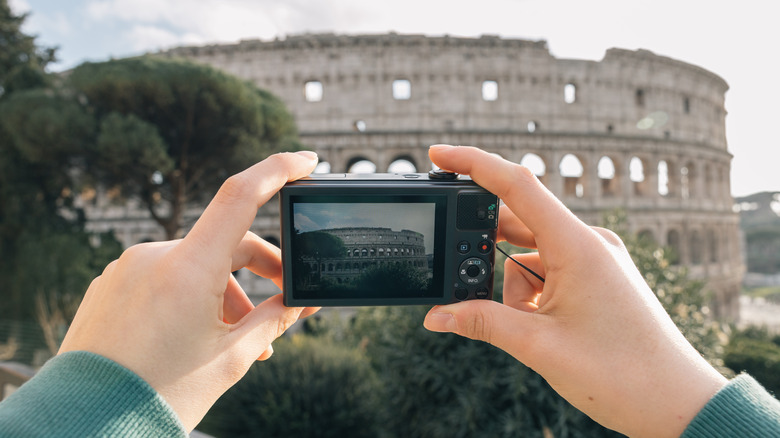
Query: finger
511	229
267	353
263	325
544	215
509	329
236	304
521	288
260	257
232	211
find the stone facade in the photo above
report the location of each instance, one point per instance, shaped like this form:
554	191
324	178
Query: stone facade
371	247
634	130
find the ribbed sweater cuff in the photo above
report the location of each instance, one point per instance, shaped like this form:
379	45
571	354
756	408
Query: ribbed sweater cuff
83	394
743	408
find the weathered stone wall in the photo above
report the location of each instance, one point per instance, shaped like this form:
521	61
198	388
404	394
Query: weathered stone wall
371	247
634	130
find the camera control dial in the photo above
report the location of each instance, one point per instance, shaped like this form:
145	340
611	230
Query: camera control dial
473	271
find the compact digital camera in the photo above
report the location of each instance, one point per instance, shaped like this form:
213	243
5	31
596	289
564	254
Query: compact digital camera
387	239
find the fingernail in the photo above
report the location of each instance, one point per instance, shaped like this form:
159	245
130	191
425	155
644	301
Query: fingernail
441	147
441	322
308	154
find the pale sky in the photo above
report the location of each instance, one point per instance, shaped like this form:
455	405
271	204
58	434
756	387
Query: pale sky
736	40
415	217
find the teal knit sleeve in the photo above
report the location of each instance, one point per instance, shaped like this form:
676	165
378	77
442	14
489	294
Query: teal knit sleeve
80	394
743	408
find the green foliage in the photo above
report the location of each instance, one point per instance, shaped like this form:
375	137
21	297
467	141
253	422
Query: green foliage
443	385
48	260
387	279
756	352
309	387
170	131
22	63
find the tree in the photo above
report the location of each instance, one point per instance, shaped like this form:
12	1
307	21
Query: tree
309	387
755	351
22	63
316	245
170	131
48	259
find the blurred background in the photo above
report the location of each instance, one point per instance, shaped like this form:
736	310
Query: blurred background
119	119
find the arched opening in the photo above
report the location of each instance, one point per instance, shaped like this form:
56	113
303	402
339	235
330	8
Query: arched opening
687	178
322	167
489	91
572	170
673	243
663	178
606	172
402	165
402	89
535	164
570	93
713	246
636	172
646	235
697	248
360	165
312	91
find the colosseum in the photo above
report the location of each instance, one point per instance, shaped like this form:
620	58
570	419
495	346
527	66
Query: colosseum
370	247
635	130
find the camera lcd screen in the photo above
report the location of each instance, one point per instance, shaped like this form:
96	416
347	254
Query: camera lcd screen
365	247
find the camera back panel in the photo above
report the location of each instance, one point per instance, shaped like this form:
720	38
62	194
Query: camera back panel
386	239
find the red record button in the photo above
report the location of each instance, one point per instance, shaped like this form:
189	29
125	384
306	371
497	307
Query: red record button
485	246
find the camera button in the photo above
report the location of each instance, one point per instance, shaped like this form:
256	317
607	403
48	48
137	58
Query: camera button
464	247
482	293
442	174
461	293
485	246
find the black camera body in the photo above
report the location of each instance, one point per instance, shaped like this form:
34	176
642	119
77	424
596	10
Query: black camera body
387	239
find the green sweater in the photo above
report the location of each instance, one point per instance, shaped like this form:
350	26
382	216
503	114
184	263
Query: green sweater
81	394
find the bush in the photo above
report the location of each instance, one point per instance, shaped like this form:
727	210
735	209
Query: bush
756	352
309	387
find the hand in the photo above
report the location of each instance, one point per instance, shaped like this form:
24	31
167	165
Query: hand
594	330
173	313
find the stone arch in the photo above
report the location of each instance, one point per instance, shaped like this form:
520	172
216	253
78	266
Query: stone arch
572	171
609	175
637	172
696	247
403	164
323	167
646	234
535	164
356	165
688	176
713	246
674	244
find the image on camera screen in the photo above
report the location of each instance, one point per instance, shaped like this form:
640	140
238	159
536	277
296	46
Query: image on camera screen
364	249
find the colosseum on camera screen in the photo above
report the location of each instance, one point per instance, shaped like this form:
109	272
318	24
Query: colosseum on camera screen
344	250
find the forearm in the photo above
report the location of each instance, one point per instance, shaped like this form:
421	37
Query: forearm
742	408
83	394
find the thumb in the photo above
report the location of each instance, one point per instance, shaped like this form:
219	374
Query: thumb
505	327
